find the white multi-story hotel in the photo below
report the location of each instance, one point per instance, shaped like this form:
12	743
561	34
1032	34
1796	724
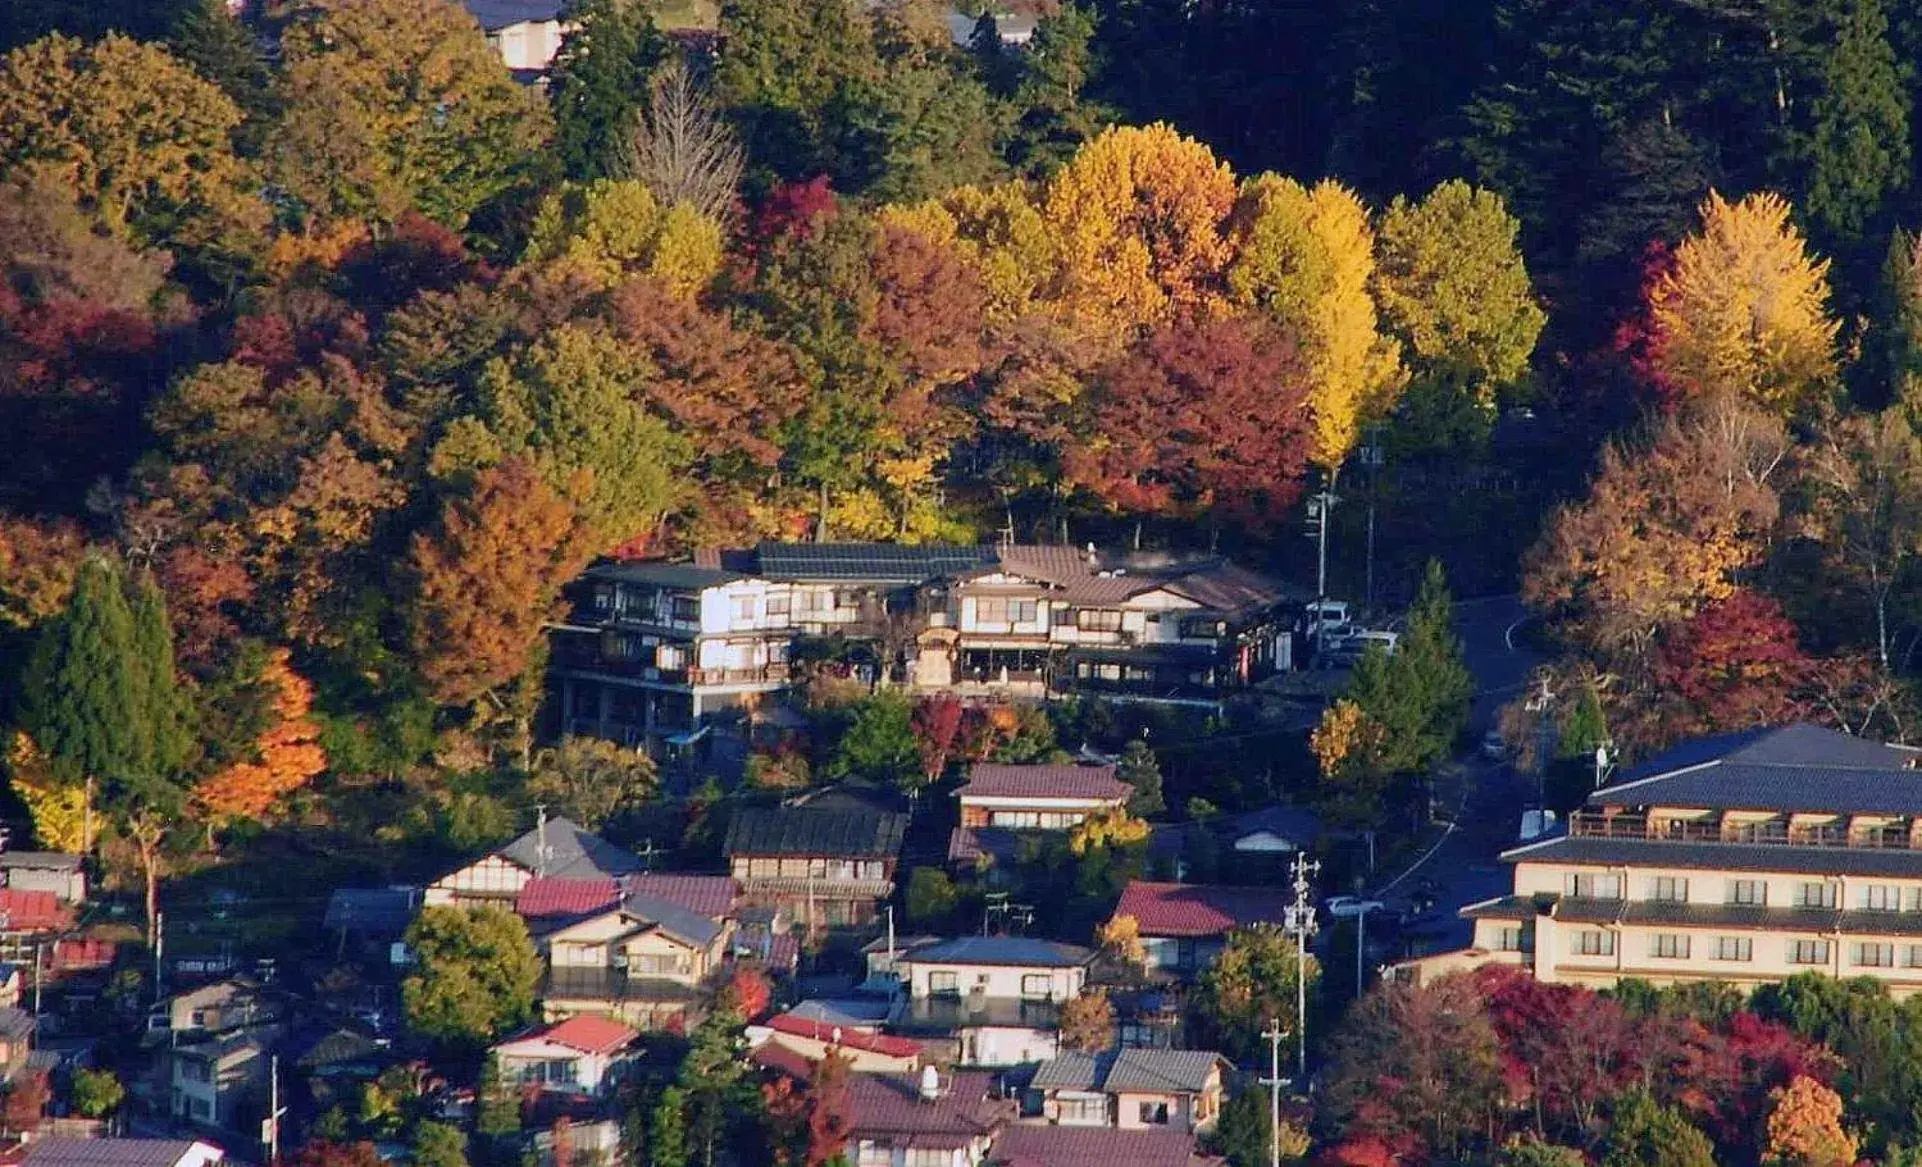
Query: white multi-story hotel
1744	858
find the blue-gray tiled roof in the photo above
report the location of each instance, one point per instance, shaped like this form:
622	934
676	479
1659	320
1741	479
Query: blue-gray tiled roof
1790	768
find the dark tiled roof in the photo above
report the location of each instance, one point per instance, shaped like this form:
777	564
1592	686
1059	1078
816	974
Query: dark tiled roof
661	574
673	919
372	911
66	1152
341	1046
15	1023
1154	1071
1233	591
1794	767
993	780
843	834
1001	951
709	895
1597	852
40	860
1070	1146
1193	909
867	562
890	1106
1289	822
573	852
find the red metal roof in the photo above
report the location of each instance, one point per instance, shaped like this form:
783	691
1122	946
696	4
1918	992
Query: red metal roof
587	1033
712	896
875	1043
1069	1146
771	1055
566	897
993	780
1199	909
705	895
32	911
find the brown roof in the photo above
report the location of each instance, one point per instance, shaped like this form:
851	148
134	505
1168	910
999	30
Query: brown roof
1228	588
1068	569
993	780
706	895
586	1033
890	1106
1067	1146
1199	909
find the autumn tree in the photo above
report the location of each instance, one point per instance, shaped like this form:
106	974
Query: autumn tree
749	992
38	563
1866	474
1139	769
608	231
681	149
1452	285
1734	664
27	1098
1205	417
288	754
475	974
1306	256
1347	745
97	1093
1087	1022
1253	983
1744	308
487	577
1805	1126
591	780
937	730
352	143
811	1122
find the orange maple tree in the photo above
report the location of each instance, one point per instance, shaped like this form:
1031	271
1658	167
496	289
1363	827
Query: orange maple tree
289	752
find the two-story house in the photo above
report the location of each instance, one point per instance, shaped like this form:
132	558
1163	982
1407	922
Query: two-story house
1183	926
924	1119
526	33
824	867
557	848
1130	1089
58	872
1025	1145
1744	858
647	960
221	1082
997	998
1039	797
582	1055
238	1002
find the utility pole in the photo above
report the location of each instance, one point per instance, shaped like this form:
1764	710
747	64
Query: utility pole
159	947
270	1128
1361	945
1543	705
1299	918
1274	1033
1320	506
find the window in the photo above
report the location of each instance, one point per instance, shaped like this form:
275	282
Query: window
930	1157
1083	1111
778	605
1668	889
1037	986
1748	891
944	984
658	964
1734	948
1808	952
1508	940
874	1154
1593	942
744	607
1871	955
203	1110
195	1071
686	610
1912	956
1881	897
990	610
1154	1113
1097	620
1595	887
671	656
1668	946
1024	611
1815	895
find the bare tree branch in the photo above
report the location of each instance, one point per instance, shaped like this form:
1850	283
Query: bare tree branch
681	149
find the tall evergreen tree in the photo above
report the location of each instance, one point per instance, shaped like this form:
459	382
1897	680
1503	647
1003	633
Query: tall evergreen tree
209	37
80	692
1851	148
1420	695
599	82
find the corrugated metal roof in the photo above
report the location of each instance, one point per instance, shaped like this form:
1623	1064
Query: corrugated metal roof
995	780
1787	768
662	574
1070	1146
1003	951
1129	1070
845	834
66	1152
867	562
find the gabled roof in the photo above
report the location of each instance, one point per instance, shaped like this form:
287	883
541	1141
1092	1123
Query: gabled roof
854	1039
22	910
340	1046
1087	1146
40	860
497	14
71	1152
1147	1071
1001	951
993	780
712	896
1224	587
1798	767
16	1023
1288	822
890	1106
573	852
673	919
881	563
545	898
587	1033
843	834
660	573
372	911
1195	909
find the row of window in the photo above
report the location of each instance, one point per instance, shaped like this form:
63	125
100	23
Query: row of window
1050	820
1681	946
947	983
1874	897
818	867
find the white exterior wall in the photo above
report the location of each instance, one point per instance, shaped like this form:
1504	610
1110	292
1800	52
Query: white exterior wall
873	1153
492	878
994	980
590	1070
1007	1045
529	45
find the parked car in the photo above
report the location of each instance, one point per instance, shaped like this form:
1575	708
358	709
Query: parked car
1348	907
1494	746
1326	621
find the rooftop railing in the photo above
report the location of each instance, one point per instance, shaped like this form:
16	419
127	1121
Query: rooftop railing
1591	824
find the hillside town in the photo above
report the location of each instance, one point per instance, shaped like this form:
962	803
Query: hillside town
993	583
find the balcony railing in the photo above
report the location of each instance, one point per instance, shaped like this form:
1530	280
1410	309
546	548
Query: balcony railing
1595	825
756	674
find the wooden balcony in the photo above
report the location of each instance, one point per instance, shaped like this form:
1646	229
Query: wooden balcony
774	674
1590	824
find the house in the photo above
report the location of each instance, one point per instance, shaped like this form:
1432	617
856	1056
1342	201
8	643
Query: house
1183	926
825	867
1743	858
923	1120
27	917
526	33
335	1063
234	1003
12	985
66	1152
647	961
17	1028
1131	1089
1022	1145
1274	830
1044	797
547	902
52	871
374	918
867	1051
556	848
581	1055
998	998
221	1082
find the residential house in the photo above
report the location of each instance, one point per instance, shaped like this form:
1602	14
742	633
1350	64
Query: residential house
69	1152
825	867
997	998
925	1119
335	1063
1183	926
1743	858
51	871
526	33
1023	1145
28	917
234	1003
221	1082
556	848
17	1028
1045	797
1274	830
375	919
12	984
581	1055
811	1038
647	961
1130	1089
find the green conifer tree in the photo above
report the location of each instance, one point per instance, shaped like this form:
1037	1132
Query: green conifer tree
1854	148
599	82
